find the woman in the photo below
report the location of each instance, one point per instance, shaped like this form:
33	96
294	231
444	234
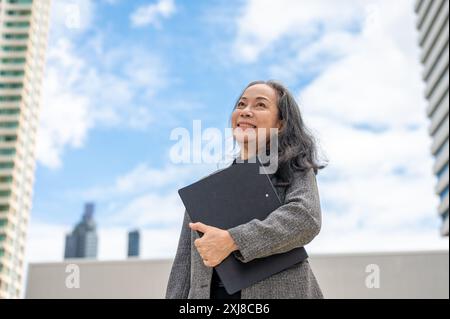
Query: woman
262	105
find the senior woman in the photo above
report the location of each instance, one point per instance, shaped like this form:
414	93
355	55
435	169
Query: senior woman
262	105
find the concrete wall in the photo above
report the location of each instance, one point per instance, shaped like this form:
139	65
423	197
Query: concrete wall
401	275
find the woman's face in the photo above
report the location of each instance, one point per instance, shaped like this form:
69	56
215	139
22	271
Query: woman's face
257	109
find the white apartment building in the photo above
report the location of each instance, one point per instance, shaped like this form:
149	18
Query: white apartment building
23	38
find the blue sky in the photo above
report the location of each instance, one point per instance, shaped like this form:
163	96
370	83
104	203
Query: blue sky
121	75
188	70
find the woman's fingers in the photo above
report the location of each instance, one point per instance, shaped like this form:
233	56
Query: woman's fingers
199	227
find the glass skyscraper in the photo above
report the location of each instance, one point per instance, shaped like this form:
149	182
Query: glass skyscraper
82	242
133	243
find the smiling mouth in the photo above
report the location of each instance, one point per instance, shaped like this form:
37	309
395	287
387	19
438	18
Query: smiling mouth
244	126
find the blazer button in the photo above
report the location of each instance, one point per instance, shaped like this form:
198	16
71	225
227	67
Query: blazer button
203	286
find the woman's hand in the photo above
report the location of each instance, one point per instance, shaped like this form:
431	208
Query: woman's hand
215	245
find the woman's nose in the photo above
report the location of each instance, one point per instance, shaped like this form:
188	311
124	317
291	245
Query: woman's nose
246	112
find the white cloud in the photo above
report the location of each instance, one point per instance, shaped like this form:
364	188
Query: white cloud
151	14
150	210
45	241
73	16
155	243
263	22
375	240
64	69
74	87
142	178
146	70
377	81
80	77
60	102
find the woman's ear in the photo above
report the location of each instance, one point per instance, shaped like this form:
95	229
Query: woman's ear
280	126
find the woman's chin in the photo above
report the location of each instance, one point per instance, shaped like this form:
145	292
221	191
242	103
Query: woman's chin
245	138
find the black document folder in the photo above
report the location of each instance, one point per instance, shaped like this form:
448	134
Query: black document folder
231	197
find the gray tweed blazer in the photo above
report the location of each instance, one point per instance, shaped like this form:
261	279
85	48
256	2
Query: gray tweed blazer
292	225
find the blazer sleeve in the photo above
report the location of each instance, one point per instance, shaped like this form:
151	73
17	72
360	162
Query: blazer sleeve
292	225
180	276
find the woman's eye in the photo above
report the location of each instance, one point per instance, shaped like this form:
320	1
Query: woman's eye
261	105
240	104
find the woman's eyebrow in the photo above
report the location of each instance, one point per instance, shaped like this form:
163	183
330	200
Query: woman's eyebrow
258	98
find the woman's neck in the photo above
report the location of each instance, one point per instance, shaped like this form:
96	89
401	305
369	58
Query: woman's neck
247	153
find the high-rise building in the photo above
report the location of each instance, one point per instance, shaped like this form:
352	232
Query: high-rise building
82	242
133	243
433	26
23	41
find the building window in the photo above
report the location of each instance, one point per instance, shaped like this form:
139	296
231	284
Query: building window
9	124
15	24
443	171
14	48
11	85
5	179
9	111
13	60
18	13
444	193
12	73
7	151
441	149
10	98
5	193
14	36
20	1
8	138
6	165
